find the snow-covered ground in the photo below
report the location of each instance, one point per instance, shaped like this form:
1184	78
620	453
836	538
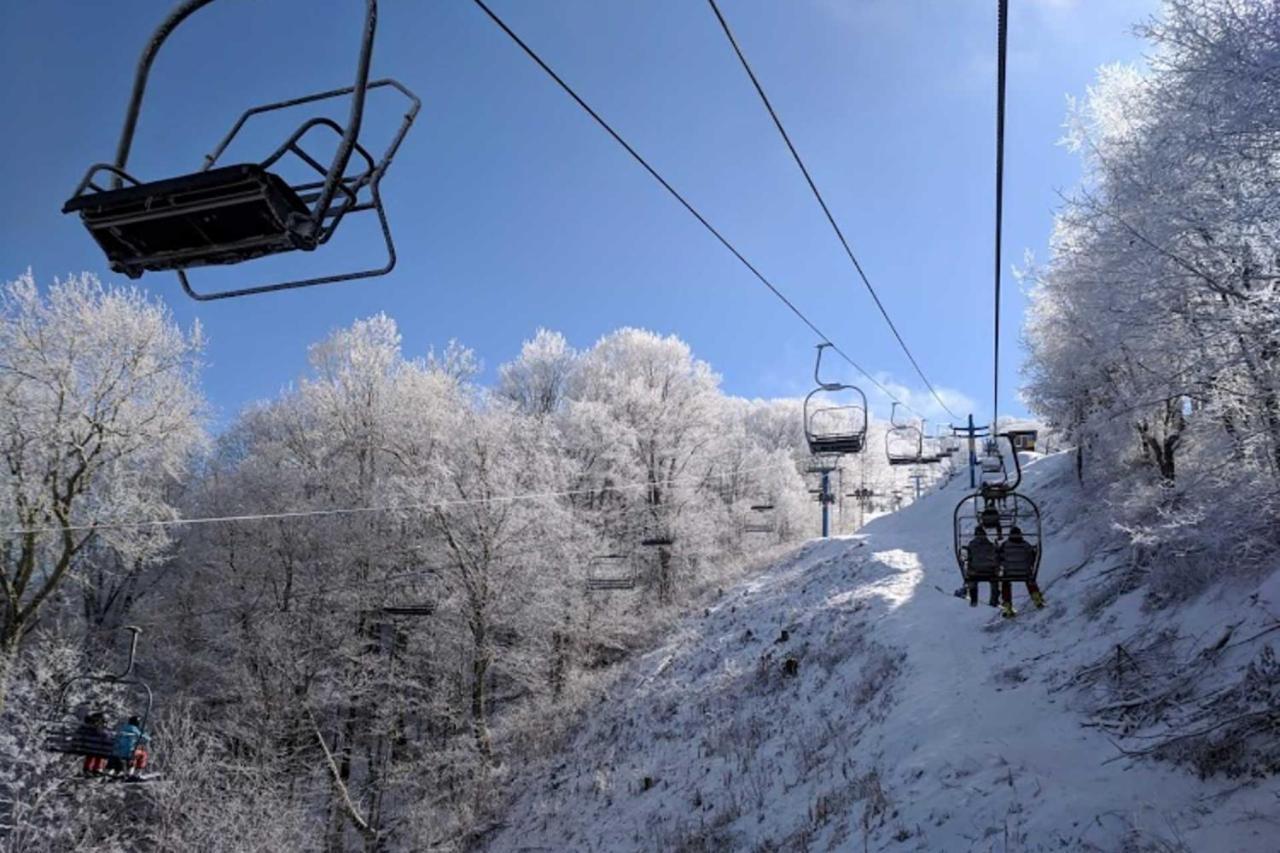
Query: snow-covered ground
845	700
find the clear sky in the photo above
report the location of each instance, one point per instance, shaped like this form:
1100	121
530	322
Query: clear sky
512	210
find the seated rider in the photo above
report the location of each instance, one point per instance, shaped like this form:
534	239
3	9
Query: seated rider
92	737
982	563
128	755
1017	562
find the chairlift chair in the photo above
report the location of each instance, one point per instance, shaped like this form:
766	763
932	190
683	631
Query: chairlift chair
997	509
832	428
902	445
70	736
228	214
930	452
611	572
992	459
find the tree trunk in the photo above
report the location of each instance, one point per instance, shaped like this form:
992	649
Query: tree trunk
666	583
9	639
480	661
559	670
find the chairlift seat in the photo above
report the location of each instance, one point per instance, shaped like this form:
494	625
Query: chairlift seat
426	609
823	445
606	583
761	507
219	216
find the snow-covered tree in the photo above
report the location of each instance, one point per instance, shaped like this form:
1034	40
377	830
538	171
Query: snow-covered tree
99	416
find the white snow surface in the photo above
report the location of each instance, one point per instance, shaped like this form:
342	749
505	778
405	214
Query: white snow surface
913	721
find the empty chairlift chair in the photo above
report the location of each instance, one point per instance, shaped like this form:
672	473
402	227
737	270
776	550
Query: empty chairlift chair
931	452
227	214
611	572
835	416
903	443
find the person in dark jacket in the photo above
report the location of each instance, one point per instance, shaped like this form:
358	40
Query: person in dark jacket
1018	560
92	736
982	562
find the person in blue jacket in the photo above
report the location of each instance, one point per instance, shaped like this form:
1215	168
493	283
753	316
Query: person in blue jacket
129	755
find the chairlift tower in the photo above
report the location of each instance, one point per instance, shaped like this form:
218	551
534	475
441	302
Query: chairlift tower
823	466
972	433
916	477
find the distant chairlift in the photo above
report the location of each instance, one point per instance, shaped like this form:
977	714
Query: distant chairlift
903	443
993	460
834	425
931	452
231	214
606	572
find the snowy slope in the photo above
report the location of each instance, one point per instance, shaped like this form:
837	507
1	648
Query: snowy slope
911	722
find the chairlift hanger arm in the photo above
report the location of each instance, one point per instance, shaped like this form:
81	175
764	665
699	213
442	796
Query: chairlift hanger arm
124	678
184	11
1017	463
817	368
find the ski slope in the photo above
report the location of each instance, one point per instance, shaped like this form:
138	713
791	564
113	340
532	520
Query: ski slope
910	721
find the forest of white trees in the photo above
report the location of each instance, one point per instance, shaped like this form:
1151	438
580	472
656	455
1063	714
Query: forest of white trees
291	706
1153	334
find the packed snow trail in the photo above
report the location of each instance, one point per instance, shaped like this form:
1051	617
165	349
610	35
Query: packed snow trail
845	700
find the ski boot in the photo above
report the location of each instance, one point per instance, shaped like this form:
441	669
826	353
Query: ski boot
1037	598
1007	611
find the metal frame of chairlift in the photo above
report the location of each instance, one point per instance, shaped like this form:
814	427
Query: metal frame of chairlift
611	579
238	213
934	445
902	433
839	441
68	738
939	449
997	508
993	460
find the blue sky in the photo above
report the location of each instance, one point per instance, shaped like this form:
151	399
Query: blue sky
511	210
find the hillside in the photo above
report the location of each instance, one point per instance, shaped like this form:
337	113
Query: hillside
909	721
